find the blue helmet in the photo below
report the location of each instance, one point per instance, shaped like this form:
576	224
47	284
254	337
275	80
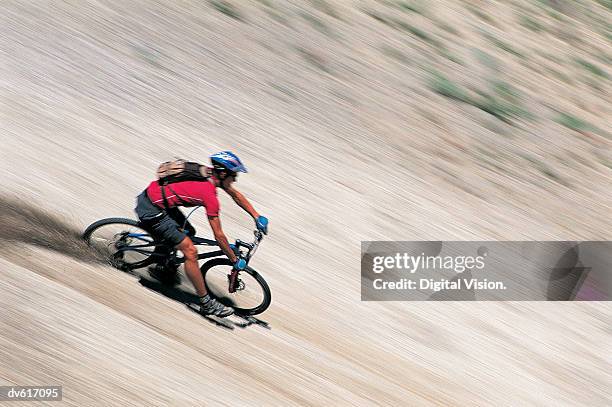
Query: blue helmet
227	160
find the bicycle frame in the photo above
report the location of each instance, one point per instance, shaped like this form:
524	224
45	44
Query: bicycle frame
169	253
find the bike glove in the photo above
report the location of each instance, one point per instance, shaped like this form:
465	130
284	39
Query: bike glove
262	224
240	264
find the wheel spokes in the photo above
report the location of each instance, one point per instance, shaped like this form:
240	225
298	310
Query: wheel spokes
248	295
122	244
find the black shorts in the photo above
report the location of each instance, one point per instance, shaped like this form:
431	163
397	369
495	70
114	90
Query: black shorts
163	225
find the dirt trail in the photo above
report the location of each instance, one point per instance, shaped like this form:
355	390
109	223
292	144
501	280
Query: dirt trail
357	121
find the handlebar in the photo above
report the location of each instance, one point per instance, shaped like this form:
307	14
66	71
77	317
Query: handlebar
251	247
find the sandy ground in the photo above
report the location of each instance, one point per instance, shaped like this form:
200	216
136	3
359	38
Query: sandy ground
333	112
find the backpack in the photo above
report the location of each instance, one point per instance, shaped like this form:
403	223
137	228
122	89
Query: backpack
180	170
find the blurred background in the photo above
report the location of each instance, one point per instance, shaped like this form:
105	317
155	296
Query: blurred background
357	120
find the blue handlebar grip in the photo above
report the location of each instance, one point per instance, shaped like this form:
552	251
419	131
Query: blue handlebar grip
240	264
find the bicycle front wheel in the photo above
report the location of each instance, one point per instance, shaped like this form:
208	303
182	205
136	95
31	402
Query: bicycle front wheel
252	295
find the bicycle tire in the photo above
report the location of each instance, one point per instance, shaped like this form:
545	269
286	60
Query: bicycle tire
126	266
267	295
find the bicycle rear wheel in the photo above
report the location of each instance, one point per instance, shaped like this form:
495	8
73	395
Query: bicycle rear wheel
252	296
122	242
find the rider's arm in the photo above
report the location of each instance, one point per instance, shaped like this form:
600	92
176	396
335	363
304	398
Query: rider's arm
241	201
215	225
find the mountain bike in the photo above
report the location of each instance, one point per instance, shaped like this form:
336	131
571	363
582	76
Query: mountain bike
127	245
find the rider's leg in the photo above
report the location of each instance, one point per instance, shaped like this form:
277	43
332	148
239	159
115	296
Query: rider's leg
191	265
208	305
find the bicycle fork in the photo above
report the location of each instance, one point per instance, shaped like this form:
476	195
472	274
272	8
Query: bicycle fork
235	283
233	280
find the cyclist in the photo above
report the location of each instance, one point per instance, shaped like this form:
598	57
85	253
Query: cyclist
161	214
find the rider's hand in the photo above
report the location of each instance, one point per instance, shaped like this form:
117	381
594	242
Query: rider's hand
240	264
262	224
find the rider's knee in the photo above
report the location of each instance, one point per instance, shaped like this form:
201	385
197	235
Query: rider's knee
190	252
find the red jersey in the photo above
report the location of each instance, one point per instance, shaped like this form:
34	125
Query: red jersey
186	193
